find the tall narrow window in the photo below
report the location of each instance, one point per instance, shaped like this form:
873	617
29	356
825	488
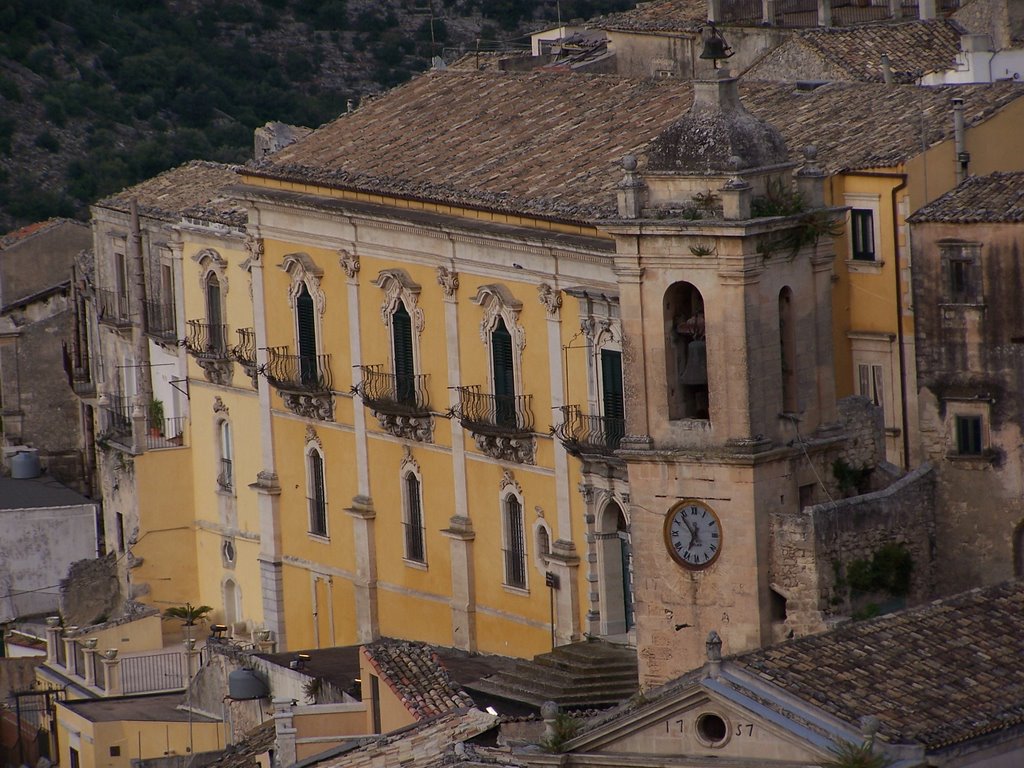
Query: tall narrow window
870	383
317	494
787	351
504	375
414	548
611	397
225	471
969	435
121	282
404	365
862	231
515	543
214	315
305	316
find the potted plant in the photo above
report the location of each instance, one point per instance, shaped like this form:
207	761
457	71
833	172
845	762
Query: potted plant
189	615
156	418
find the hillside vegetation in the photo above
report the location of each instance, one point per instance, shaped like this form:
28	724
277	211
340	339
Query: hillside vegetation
96	95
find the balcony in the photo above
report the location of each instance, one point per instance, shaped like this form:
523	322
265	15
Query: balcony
399	402
583	434
245	353
165	433
160	324
207	343
303	381
502	425
112	308
116	418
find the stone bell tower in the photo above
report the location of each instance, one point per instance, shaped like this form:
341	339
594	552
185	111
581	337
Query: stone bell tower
723	257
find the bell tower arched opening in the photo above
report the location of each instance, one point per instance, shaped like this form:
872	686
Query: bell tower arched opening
686	355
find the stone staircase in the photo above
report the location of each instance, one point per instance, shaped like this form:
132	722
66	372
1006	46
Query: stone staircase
581	675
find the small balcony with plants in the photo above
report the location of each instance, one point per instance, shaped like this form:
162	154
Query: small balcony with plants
399	401
584	434
501	425
305	382
163	432
207	343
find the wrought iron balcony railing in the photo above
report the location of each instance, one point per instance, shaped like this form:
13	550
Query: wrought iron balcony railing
112	308
160	322
581	433
393	393
207	340
298	373
245	350
117	412
494	414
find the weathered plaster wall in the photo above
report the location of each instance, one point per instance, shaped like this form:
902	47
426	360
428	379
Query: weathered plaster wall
794	61
91	591
37	546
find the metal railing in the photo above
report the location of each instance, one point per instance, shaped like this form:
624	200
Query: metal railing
302	373
317	506
515	568
207	340
245	350
494	414
160	320
225	478
118	416
582	433
112	308
392	392
165	433
156	672
414	549
97	672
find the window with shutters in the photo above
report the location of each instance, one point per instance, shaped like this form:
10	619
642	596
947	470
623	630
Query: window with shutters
612	402
305	332
214	313
404	320
514	542
316	491
225	471
503	384
402	356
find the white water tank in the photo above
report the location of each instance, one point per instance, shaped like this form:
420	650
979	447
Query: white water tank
25	465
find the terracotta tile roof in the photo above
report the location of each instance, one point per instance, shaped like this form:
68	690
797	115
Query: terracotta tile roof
998	198
549	144
657	16
195	189
17	235
914	48
936	675
415	673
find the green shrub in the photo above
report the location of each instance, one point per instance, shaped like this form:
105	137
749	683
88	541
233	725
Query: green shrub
47	141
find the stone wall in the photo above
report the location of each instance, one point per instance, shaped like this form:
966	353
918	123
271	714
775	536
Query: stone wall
18	674
812	549
987	17
90	593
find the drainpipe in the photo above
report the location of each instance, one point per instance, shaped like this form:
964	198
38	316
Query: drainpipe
901	352
963	157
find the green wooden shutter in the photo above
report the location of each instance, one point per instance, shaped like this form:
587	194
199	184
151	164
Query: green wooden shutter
611	389
213	313
401	343
504	375
306	319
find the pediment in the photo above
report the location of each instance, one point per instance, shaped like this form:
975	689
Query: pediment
696	723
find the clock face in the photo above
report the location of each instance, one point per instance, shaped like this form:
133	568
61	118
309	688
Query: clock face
693	534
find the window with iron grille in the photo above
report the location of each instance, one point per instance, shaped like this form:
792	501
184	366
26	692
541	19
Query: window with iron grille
414	544
515	544
225	478
317	494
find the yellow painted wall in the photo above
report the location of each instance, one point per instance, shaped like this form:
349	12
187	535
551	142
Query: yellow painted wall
136	739
144	634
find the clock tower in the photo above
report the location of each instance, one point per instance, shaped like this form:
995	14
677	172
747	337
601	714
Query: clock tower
723	258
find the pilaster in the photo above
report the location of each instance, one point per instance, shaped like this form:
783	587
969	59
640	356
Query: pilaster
365	582
460	535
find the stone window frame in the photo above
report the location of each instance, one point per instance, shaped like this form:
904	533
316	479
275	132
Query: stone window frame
964	256
210	261
411	468
302	270
314	446
873	204
400	288
222	425
510	489
541	553
957	412
872	348
497	301
603	332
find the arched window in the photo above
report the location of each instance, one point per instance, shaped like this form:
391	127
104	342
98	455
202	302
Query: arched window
515	542
317	492
415	548
214	313
232	602
686	357
305	325
225	472
787	351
